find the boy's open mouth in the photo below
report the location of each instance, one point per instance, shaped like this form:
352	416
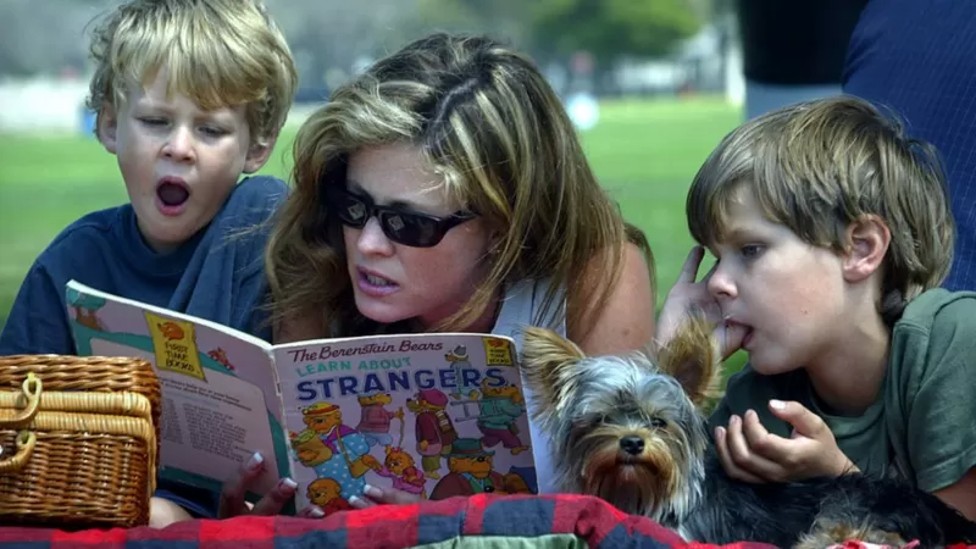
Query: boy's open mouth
172	192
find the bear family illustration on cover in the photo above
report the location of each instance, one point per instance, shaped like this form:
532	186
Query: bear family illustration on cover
454	433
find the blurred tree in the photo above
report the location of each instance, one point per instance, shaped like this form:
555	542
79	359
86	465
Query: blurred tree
503	20
555	30
330	39
610	29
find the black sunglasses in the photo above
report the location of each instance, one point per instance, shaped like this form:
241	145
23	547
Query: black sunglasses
410	229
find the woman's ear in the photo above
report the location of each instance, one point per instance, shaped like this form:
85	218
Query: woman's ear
868	238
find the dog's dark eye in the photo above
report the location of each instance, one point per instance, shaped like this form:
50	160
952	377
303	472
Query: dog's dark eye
658	423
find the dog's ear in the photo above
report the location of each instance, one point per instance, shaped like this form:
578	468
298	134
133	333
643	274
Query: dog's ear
692	357
547	366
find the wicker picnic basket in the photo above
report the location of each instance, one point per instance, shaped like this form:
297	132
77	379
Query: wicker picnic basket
79	439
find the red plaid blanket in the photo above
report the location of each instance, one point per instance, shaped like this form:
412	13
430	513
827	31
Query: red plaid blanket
541	520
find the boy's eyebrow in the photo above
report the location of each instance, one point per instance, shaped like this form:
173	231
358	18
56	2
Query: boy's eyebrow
738	233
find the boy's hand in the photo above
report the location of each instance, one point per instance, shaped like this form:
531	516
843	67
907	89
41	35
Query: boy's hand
688	298
750	453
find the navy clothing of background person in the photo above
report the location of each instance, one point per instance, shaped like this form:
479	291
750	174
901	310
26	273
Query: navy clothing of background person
918	58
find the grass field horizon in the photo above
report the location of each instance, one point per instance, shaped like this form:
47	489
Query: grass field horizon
645	152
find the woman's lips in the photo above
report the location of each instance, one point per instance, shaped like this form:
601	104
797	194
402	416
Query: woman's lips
374	284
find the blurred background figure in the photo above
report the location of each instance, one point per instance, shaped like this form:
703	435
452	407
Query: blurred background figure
793	50
918	58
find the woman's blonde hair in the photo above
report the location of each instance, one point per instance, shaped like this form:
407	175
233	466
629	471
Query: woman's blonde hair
818	166
218	53
489	124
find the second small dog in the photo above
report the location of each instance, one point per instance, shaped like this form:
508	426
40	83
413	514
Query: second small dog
628	430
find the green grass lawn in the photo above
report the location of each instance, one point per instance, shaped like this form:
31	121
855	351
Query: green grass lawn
644	152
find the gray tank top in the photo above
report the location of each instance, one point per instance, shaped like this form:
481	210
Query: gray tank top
522	306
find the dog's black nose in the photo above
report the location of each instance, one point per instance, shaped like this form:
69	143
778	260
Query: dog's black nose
632	444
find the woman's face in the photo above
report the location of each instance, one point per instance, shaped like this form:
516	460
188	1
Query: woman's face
393	281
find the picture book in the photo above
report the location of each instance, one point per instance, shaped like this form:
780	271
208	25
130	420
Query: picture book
435	415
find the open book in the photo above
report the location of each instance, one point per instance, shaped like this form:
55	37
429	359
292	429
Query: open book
436	415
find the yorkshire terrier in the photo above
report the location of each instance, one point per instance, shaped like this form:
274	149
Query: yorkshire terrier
631	430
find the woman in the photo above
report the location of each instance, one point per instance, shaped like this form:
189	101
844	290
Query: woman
445	190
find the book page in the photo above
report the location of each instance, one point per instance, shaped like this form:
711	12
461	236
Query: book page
219	391
436	415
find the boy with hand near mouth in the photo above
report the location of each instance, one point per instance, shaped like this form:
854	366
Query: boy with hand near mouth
831	232
190	95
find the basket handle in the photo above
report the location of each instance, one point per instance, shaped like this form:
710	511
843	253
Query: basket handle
32	387
25	448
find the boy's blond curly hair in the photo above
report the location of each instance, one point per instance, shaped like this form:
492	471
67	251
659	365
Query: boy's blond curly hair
217	52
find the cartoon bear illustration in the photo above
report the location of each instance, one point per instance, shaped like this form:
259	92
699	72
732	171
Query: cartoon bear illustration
220	357
325	492
499	409
310	450
472	473
400	466
171	330
434	429
348	452
375	421
88	318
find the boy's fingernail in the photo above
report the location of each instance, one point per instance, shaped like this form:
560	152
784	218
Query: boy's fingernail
357	502
316	512
373	492
777	404
289	483
256	460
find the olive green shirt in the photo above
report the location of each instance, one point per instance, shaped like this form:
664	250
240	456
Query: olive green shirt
923	425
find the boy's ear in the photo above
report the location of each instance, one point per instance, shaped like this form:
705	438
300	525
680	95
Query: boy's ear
258	153
108	126
868	238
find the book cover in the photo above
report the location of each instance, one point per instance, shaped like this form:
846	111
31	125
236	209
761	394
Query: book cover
436	415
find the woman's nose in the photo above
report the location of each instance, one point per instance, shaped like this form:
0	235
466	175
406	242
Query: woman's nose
372	240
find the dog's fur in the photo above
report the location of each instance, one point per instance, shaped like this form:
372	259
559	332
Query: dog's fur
630	430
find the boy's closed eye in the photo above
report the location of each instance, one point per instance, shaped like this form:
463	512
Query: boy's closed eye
152	121
213	131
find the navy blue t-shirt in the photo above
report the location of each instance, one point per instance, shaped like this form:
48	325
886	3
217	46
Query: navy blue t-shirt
918	58
217	275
